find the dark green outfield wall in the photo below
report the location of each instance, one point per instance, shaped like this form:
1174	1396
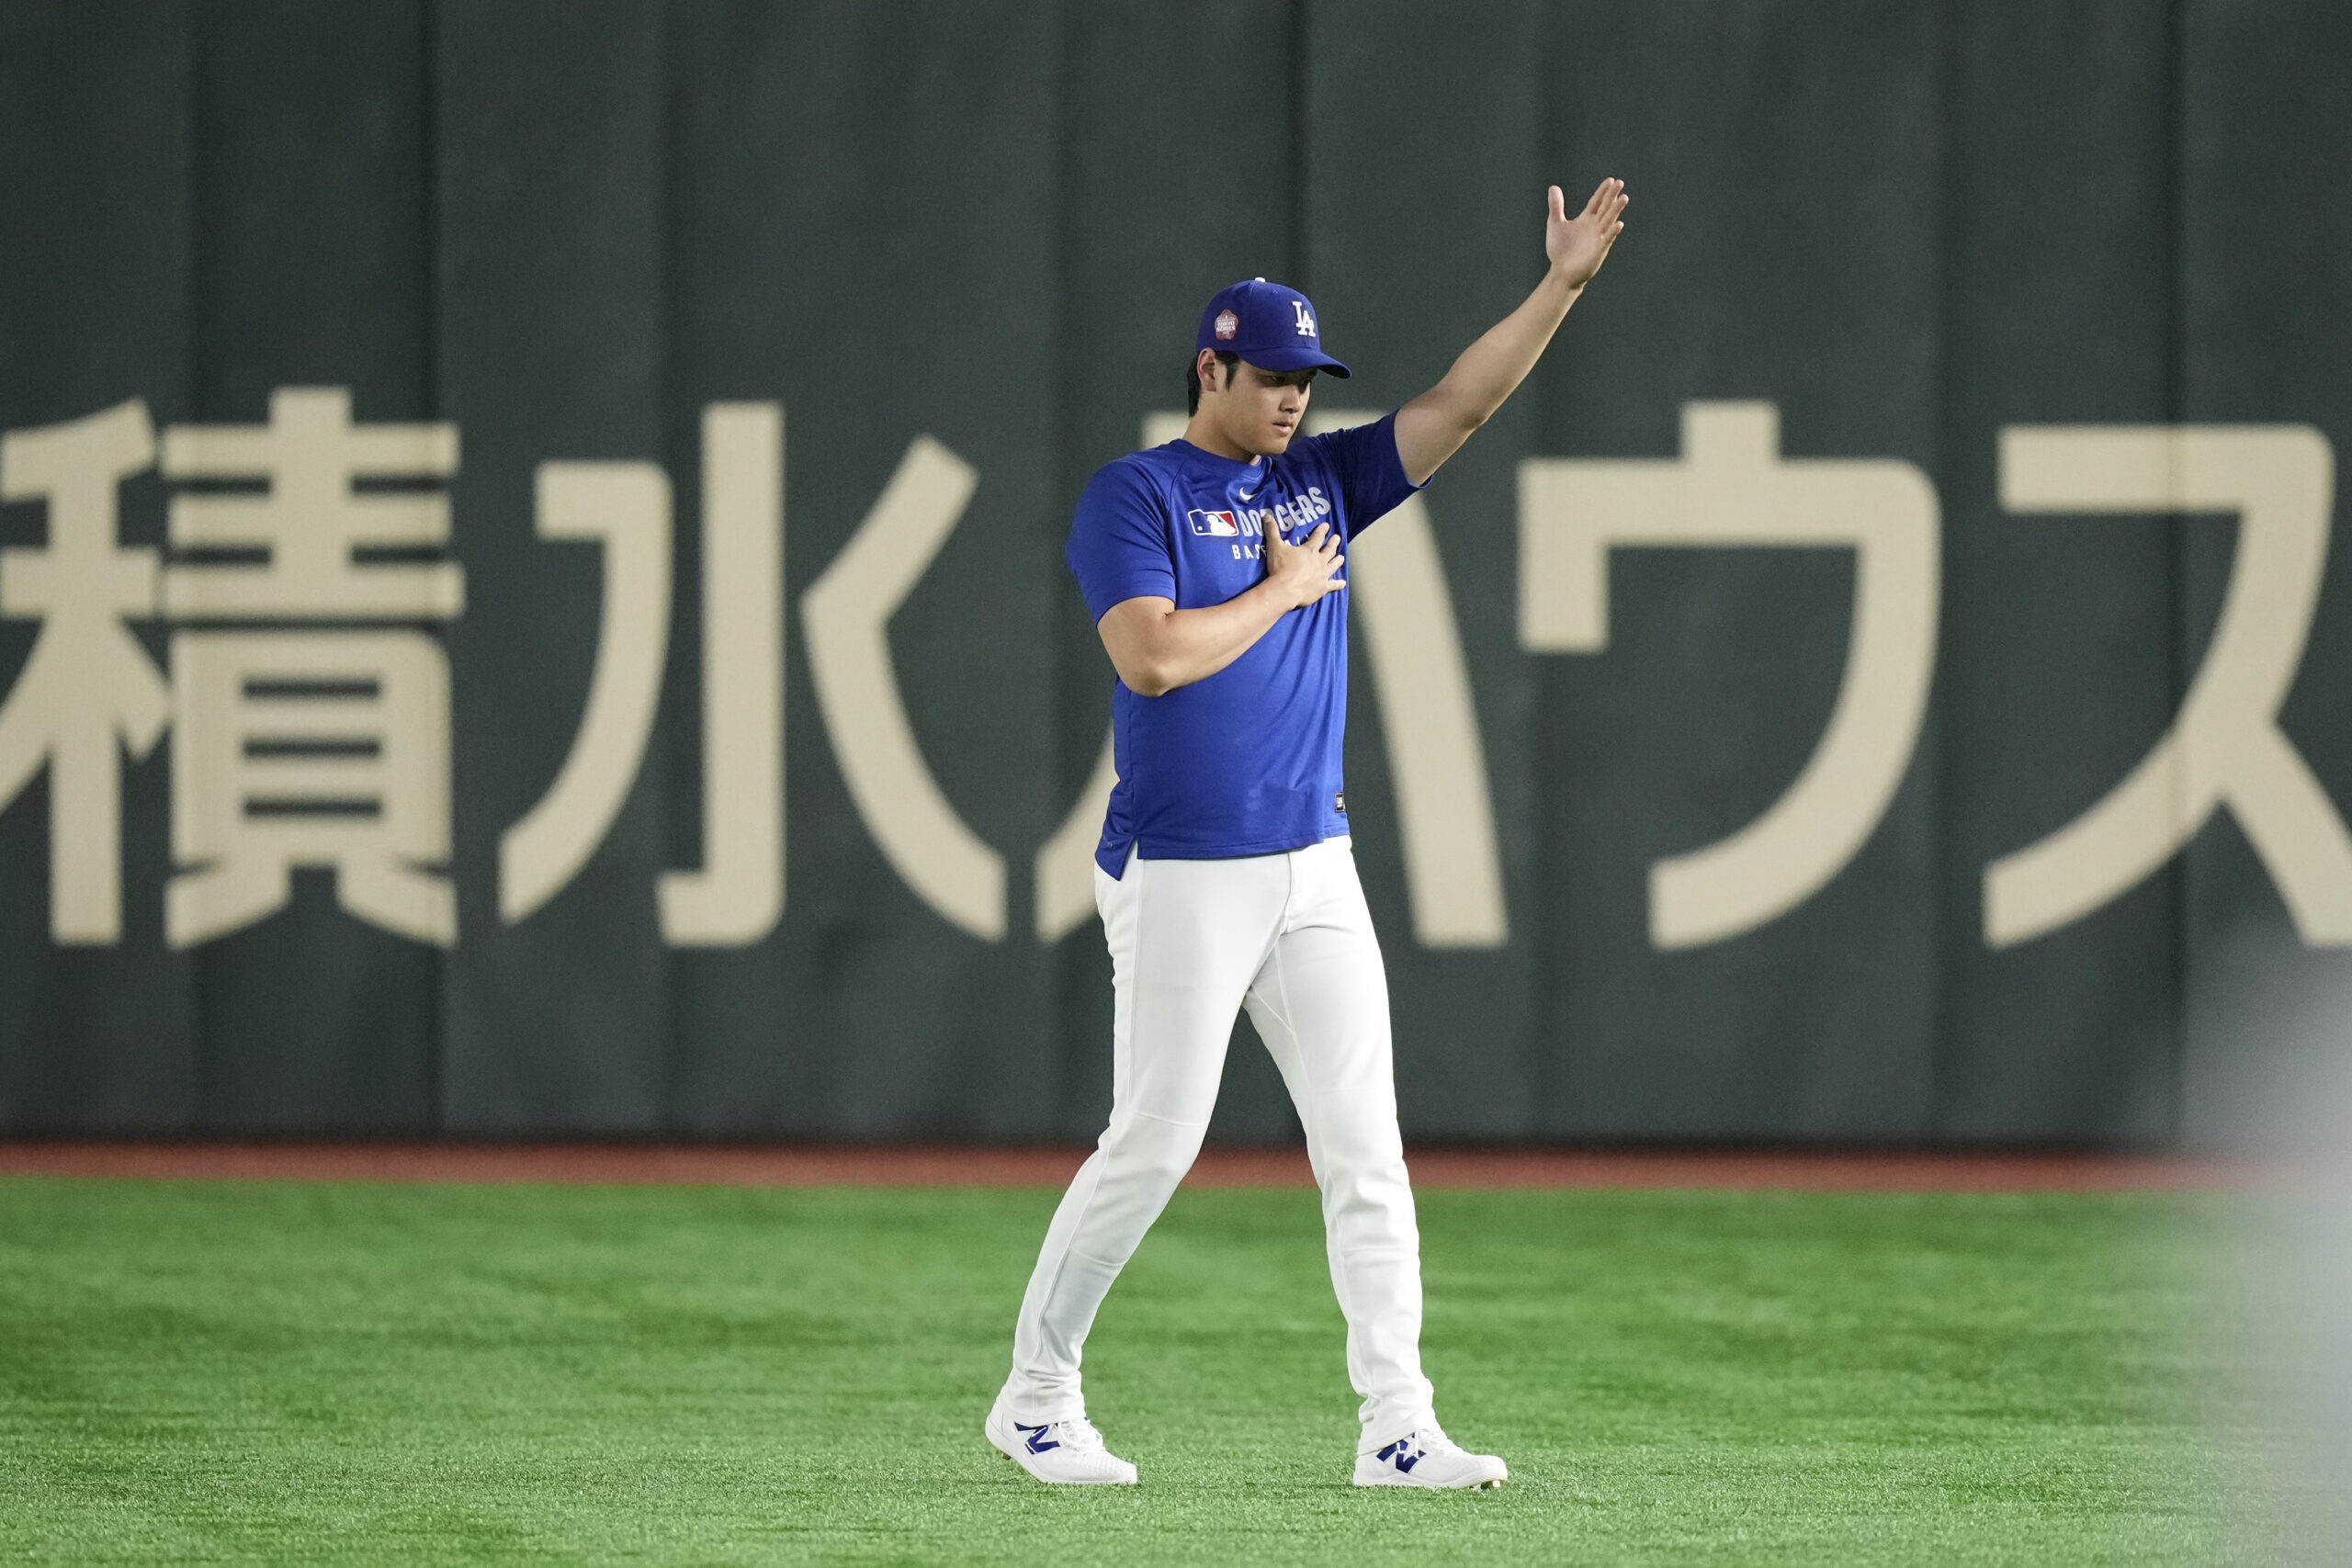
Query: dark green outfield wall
567	230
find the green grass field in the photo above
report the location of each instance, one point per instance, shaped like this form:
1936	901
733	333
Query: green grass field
344	1372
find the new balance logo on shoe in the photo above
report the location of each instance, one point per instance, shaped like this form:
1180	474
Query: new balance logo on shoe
1428	1458
1068	1452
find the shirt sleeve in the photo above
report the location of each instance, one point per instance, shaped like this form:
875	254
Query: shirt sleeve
1371	475
1118	542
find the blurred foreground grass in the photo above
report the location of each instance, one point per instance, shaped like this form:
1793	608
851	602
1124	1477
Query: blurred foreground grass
349	1373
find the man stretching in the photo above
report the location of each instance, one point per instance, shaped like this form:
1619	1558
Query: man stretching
1224	875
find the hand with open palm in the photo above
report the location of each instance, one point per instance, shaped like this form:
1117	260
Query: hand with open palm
1579	245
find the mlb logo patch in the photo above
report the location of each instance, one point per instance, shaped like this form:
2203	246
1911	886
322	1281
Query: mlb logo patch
1218	525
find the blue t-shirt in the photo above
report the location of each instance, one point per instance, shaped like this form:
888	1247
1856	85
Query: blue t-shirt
1247	762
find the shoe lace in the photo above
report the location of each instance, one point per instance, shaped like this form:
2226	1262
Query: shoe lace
1429	1439
1077	1432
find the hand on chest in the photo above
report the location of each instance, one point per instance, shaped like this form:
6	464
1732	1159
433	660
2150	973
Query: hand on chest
1220	538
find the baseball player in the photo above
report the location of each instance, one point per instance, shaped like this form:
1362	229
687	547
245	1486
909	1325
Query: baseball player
1224	877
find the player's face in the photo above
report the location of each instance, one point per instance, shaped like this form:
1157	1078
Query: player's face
1260	410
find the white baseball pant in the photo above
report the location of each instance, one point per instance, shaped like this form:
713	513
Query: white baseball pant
1191	942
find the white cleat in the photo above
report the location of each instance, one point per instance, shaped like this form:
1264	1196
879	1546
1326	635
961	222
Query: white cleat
1067	1453
1428	1458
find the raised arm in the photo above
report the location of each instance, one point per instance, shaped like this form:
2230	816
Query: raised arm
1433	426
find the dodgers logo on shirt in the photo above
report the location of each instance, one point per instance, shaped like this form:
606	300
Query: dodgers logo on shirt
1220	524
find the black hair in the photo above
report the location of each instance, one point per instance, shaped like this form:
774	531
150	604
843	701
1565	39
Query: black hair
1224	356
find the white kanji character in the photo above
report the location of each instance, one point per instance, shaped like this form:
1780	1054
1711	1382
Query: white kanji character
310	519
738	897
88	683
309	749
324	749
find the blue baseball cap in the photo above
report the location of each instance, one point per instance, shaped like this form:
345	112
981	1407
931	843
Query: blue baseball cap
1269	325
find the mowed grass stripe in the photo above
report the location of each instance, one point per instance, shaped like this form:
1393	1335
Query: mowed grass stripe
348	1372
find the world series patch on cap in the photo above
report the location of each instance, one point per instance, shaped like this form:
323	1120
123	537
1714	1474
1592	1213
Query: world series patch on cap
1271	326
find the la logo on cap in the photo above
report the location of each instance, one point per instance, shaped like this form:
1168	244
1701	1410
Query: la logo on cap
1227	323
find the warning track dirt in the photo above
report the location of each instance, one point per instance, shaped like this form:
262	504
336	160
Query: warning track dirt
826	1165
